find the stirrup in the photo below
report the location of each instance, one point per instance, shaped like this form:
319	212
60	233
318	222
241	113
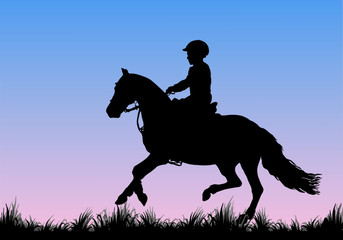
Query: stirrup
176	163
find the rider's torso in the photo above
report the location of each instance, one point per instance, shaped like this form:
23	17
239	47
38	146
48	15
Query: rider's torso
199	77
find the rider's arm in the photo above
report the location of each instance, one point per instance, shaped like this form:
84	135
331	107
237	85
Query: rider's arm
182	85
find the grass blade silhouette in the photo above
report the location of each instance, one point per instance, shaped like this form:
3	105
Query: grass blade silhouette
82	223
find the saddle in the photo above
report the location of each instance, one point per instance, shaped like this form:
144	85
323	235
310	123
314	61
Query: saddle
213	109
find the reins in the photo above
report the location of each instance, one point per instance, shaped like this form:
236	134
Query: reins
140	129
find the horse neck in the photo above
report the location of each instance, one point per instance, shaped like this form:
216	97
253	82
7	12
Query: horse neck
151	99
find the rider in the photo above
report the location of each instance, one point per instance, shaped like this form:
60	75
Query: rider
198	80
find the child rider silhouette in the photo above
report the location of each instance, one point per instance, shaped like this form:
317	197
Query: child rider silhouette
198	81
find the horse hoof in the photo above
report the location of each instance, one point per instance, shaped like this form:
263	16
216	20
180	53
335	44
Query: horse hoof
121	200
206	195
143	198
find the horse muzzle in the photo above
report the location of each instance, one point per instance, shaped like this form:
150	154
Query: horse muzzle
112	114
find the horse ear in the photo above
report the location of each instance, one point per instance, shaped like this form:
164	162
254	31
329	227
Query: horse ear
124	71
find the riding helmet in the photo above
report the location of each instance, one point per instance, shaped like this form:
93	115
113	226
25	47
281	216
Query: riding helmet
197	46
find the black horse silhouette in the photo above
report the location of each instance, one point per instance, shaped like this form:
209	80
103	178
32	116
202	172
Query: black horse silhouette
221	140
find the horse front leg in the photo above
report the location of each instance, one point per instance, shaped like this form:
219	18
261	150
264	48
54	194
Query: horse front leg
139	172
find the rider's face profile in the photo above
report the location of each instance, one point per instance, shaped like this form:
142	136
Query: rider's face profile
193	57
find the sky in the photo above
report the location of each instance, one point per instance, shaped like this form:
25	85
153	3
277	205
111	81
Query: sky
278	63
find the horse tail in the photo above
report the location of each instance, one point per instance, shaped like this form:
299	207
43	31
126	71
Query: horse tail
285	170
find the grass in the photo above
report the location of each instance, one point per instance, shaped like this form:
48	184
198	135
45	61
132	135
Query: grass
262	222
124	219
121	218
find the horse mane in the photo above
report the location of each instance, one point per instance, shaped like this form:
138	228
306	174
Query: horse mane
148	85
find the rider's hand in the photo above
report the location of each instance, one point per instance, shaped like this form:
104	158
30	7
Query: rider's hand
169	90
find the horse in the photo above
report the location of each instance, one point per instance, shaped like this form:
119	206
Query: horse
222	140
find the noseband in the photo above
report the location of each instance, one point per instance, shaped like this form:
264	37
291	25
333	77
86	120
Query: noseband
133	108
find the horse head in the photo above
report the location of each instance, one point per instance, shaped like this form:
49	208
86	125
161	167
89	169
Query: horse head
122	97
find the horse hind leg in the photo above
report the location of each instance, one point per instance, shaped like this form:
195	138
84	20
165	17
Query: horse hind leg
228	171
250	169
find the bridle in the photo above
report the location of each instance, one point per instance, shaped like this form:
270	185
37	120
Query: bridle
127	110
133	108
